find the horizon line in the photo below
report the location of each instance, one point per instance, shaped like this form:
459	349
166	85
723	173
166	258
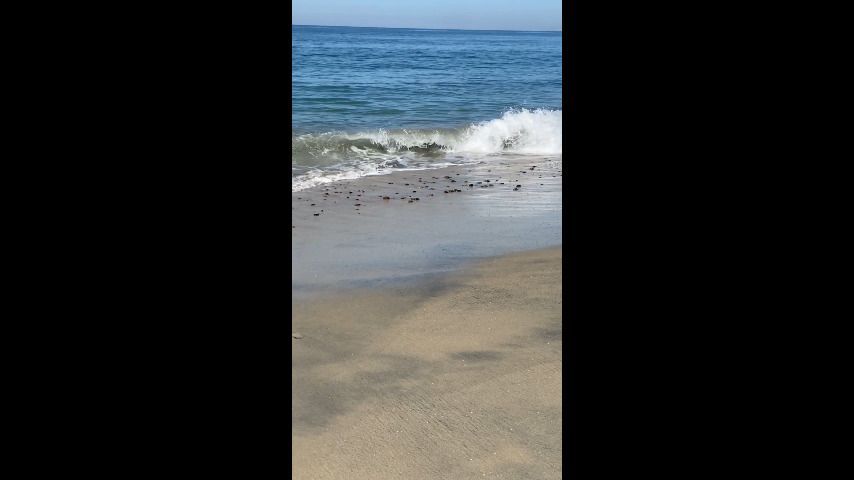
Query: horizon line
423	28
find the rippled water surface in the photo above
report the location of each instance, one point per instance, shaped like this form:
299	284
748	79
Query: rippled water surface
368	101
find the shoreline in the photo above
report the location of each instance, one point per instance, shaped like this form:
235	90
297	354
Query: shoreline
453	376
382	229
427	306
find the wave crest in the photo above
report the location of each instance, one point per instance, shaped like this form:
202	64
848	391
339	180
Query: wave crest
331	156
518	131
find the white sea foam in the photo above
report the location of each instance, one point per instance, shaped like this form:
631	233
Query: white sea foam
518	131
320	177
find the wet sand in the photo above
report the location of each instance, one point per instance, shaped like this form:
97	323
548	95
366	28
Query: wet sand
454	377
380	230
429	347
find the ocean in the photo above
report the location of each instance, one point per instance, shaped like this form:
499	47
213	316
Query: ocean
370	101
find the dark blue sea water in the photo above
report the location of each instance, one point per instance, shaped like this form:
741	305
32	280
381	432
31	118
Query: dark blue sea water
370	100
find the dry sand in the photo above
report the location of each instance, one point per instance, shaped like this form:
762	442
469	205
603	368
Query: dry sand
455	377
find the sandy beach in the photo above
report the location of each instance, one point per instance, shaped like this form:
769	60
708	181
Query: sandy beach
426	227
453	376
373	231
429	330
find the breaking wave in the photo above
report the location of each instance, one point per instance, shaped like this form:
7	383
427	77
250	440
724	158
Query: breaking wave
334	156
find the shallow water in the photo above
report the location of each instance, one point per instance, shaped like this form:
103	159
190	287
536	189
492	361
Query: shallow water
370	101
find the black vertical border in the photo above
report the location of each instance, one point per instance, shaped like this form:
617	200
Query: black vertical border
570	456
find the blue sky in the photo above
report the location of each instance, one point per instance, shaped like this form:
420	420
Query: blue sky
463	14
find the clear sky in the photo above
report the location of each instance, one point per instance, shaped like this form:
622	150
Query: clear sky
463	14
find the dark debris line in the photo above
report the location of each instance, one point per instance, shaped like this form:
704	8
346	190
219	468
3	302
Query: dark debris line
336	191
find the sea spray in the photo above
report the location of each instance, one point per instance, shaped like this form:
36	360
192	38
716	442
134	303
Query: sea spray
517	131
333	156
